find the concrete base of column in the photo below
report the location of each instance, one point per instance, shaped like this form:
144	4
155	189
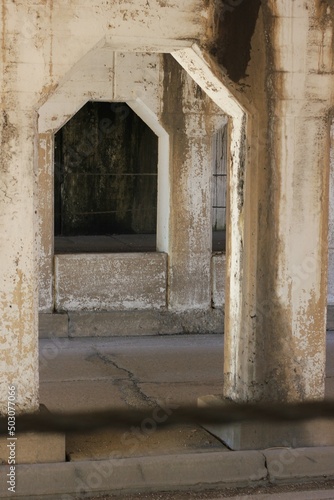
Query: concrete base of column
33	447
262	435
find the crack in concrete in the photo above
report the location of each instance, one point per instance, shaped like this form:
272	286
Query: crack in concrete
267	478
133	395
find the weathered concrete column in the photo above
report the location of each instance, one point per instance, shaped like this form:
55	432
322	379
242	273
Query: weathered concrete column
275	348
18	270
275	309
330	291
189	281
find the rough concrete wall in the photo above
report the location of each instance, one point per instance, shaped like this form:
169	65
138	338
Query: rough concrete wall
137	80
40	43
140	76
218	270
104	282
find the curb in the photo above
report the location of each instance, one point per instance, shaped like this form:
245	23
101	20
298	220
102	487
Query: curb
209	470
300	464
68	480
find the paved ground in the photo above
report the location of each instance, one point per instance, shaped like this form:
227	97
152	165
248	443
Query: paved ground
83	374
132	372
99	373
144	462
96	373
312	491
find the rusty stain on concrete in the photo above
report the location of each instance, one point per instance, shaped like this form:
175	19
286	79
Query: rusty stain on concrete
235	26
9	135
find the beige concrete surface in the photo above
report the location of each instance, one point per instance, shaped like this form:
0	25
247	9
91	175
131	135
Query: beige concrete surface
33	448
52	325
73	480
98	372
169	459
262	435
110	443
316	463
144	322
135	323
110	281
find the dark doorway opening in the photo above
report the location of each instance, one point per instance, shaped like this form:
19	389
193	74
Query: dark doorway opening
219	187
105	195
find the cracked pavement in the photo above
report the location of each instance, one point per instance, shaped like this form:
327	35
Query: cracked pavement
96	373
157	371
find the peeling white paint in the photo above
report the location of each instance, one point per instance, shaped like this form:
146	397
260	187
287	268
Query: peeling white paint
163	209
331	224
55	57
58	56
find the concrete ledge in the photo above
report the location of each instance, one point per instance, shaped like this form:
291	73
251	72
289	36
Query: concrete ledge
261	435
147	322
168	472
307	464
32	448
128	323
106	282
53	325
256	436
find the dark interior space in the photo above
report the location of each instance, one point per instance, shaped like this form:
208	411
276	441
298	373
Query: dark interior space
105	177
105	190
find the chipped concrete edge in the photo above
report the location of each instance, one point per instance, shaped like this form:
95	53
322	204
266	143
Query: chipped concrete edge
127	323
170	472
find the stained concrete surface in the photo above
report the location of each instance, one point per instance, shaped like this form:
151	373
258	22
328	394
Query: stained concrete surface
87	374
99	373
108	443
129	371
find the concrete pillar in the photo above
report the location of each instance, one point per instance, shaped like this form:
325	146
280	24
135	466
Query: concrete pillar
330	291
18	269
189	280
275	345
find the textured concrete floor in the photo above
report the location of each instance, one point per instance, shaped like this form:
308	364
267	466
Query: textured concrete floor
81	374
87	374
133	371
